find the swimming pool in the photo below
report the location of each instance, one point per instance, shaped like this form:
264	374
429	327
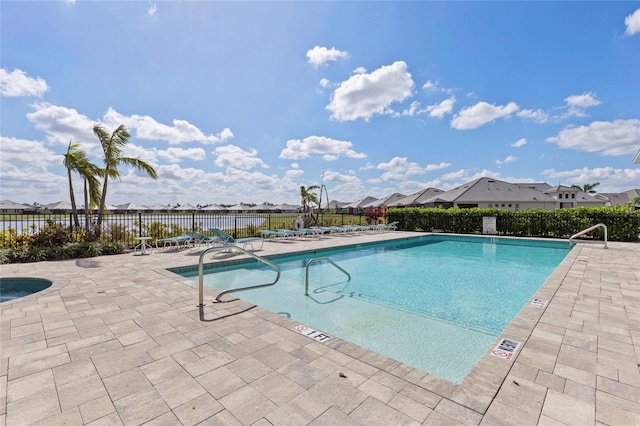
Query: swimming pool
434	302
16	287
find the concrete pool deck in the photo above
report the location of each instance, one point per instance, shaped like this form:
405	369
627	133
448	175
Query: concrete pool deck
120	340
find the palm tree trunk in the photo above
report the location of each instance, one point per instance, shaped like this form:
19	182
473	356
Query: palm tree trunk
102	202
74	209
87	206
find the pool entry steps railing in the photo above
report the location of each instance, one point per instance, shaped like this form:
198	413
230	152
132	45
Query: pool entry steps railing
240	249
318	259
589	230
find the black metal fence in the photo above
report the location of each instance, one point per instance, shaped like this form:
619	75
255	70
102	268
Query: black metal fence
126	227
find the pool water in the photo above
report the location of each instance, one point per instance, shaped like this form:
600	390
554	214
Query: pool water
436	303
14	288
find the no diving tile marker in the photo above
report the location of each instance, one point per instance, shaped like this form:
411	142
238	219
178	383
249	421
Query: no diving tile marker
538	303
310	332
506	349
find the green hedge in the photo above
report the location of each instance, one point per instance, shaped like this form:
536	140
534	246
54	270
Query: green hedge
622	225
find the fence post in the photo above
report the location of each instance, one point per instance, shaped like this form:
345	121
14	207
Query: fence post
193	221
269	221
235	226
139	224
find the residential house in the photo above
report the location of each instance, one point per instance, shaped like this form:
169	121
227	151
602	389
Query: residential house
416	199
384	201
11	207
572	197
492	193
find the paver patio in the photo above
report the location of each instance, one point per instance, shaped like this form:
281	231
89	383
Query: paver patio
120	340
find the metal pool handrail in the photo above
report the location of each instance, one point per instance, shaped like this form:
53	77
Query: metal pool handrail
317	259
589	230
233	247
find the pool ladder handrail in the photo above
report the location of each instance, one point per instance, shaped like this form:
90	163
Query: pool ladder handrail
232	247
589	230
317	259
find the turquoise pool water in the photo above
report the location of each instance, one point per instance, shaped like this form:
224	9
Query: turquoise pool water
14	288
435	302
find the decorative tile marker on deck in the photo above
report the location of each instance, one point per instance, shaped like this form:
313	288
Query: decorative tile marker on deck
310	332
505	349
538	303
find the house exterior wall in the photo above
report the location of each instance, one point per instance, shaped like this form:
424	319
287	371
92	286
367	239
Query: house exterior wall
517	206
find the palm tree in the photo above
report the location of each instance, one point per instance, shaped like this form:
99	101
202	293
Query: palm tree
76	160
588	188
112	145
308	198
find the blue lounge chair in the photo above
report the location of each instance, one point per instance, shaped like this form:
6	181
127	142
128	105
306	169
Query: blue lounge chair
227	239
175	242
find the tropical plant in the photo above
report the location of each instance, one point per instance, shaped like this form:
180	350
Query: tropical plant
589	188
308	198
112	146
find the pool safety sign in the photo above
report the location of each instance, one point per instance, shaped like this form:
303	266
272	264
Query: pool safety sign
506	349
538	303
310	332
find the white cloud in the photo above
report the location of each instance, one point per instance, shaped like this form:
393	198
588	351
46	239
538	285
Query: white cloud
480	114
399	168
619	137
577	104
509	159
539	116
430	85
152	9
318	145
413	109
460	174
294	173
519	143
319	56
360	70
611	179
432	167
444	107
22	151
343	186
633	23
175	155
231	156
17	83
63	125
364	95
325	83
148	128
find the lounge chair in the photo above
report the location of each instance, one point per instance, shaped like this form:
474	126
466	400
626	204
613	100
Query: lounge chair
270	235
226	239
178	242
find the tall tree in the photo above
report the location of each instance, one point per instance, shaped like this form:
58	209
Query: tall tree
589	188
77	161
112	146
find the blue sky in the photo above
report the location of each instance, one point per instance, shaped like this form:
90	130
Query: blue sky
246	101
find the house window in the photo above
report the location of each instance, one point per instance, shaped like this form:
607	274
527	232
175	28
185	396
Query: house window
517	207
509	205
559	196
490	205
503	205
573	195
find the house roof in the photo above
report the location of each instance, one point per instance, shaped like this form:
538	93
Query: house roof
621	198
360	203
60	205
12	205
491	190
384	201
417	198
581	196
